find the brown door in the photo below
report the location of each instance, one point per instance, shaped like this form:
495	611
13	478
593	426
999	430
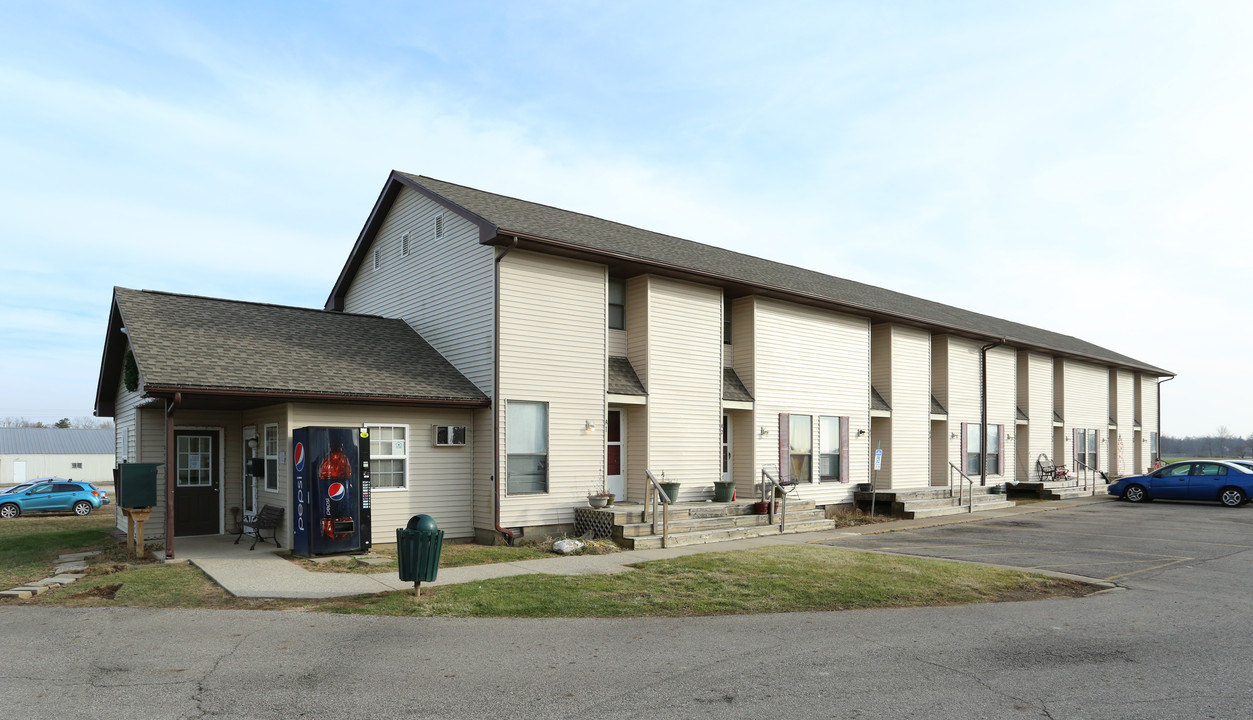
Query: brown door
197	481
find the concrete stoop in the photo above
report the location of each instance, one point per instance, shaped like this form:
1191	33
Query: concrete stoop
701	523
917	504
1055	490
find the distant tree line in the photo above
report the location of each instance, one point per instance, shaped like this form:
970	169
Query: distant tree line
1222	443
81	423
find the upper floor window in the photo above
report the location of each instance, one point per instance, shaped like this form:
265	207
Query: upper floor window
617	304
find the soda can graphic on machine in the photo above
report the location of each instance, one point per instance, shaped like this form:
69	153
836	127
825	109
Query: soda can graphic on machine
330	490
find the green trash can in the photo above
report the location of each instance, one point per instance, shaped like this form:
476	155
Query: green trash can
417	548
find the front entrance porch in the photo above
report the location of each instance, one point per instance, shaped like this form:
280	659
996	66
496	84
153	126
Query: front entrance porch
695	523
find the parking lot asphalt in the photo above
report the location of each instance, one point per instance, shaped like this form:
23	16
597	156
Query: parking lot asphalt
1111	541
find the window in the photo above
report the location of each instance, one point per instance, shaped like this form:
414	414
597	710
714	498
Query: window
404	245
972	433
271	457
76	466
194	460
526	443
389	457
448	435
829	438
617	304
1085	449
1153	457
801	441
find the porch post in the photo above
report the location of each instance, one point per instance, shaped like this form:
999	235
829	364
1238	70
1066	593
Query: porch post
171	470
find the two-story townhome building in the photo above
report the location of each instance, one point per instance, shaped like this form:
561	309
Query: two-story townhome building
578	353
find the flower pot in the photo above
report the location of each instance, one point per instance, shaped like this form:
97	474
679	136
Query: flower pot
672	490
761	508
723	490
597	501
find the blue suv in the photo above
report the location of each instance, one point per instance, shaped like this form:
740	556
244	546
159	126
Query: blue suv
60	496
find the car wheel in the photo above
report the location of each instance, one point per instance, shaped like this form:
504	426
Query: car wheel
1135	493
9	510
1232	497
82	507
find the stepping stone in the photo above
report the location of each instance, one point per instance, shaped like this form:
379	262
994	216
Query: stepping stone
63	578
16	593
37	589
70	557
374	560
70	566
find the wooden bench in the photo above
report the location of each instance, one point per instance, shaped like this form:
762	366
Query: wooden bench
269	518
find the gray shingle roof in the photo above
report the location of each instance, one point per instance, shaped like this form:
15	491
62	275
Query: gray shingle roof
55	441
188	341
1021	415
622	377
733	388
514	216
877	402
937	408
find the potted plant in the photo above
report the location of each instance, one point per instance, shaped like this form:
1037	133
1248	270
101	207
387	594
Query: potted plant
601	498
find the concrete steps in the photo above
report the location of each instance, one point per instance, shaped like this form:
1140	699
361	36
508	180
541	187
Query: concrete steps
1055	490
700	523
931	502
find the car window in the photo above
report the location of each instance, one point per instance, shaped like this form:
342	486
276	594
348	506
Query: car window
1176	470
41	490
66	487
1210	469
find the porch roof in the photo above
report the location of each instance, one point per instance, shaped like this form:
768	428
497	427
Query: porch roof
226	352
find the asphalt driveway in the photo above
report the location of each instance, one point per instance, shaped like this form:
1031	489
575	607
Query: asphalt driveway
1112	541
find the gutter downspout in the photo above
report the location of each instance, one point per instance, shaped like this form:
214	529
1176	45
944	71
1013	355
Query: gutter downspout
983	412
509	537
170	459
1159	413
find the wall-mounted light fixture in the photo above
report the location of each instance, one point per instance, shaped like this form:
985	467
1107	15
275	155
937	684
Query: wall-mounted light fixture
860	432
762	431
589	426
952	436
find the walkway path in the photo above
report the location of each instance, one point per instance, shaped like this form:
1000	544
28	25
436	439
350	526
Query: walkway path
262	574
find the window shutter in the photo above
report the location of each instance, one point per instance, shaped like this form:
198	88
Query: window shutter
1000	448
844	450
785	448
962	451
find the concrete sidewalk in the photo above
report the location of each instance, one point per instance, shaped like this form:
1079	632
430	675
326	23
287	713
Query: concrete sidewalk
261	573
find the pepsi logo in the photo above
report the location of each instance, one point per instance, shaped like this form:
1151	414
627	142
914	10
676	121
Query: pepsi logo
336	491
300	456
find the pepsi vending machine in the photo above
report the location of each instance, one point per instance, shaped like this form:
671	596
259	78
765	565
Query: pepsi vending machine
330	490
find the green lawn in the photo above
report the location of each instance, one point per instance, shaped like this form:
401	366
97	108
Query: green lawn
30	544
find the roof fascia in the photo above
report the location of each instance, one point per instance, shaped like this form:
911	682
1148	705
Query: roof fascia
110	363
282	396
387	197
537	243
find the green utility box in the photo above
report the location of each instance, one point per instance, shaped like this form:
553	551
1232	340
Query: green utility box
136	484
417	549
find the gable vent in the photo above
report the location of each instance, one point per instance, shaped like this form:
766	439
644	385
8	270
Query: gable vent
404	245
439	226
378	259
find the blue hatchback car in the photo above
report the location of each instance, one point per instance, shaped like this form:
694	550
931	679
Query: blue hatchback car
1228	483
60	496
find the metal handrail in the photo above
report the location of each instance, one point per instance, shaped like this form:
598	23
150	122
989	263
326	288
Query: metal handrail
970	497
654	489
1093	472
776	490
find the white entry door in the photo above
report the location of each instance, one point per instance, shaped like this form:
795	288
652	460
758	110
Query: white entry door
726	448
614	451
19	472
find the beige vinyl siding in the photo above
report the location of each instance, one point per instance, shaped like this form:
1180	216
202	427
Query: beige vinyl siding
438	479
617	343
1002	394
963	393
1086	395
479	436
636	416
151	441
1122	454
812	362
126	417
443	288
552	350
281	496
1148	415
685	384
744	425
1039	409
910	399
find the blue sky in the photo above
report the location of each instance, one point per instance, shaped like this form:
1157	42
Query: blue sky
1079	166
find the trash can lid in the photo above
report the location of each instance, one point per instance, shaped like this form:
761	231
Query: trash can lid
422	522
